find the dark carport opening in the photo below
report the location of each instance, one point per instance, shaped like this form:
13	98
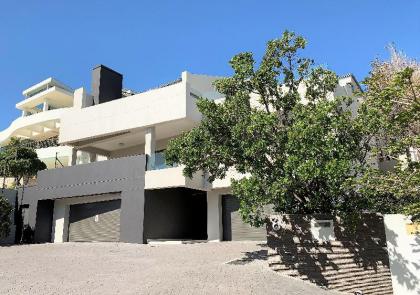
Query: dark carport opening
175	214
44	221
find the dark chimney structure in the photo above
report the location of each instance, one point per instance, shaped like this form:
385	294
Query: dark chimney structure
106	84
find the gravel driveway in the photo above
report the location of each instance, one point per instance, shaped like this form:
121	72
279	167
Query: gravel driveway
109	268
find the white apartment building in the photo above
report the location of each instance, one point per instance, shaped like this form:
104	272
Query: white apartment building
113	183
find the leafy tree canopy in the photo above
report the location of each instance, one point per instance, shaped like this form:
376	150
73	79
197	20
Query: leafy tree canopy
19	160
297	155
391	112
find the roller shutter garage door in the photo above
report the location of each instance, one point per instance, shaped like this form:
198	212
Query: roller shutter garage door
234	229
95	222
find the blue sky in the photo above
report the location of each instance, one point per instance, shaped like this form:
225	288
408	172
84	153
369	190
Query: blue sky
152	42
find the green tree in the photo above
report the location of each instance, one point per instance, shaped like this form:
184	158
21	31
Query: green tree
299	156
19	160
391	114
5	222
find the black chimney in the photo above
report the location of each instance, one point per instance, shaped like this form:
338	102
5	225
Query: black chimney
106	84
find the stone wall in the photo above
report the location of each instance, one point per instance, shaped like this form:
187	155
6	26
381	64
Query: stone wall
356	260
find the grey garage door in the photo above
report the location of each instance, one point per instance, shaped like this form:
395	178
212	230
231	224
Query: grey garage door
234	229
99	222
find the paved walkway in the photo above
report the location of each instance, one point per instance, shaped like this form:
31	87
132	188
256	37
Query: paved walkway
109	268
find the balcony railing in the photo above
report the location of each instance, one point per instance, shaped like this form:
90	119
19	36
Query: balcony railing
50	142
159	163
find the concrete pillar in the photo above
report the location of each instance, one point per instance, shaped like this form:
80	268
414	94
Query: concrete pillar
214	216
132	215
73	157
60	222
92	157
150	147
45	106
24	113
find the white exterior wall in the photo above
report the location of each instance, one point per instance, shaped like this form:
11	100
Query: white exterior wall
404	255
173	177
137	111
60	222
23	123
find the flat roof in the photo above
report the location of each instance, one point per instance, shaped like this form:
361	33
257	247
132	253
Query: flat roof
49	80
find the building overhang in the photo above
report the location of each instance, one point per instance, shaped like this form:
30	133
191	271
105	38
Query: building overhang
55	96
38	126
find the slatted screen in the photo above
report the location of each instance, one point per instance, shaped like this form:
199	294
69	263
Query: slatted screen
234	229
99	222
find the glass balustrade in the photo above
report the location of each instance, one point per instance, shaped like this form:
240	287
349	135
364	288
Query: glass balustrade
159	162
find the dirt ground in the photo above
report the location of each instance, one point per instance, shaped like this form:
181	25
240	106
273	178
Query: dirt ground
118	268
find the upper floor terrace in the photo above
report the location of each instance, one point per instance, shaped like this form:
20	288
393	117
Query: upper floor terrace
42	108
44	96
116	126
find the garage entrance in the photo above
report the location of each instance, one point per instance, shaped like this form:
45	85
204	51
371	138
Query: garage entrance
175	214
95	222
234	229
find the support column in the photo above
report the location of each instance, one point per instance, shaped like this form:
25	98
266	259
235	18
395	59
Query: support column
214	217
45	106
73	157
92	157
150	147
132	215
60	222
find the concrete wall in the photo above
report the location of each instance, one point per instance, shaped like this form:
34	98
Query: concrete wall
173	177
404	255
140	110
35	120
123	175
349	262
214	216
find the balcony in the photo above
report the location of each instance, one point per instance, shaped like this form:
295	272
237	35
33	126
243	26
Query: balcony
55	93
161	175
171	110
37	127
159	162
55	156
173	177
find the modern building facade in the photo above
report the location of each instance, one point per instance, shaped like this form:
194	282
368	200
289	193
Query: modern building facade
42	108
113	184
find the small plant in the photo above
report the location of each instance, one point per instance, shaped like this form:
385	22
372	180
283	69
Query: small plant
5	213
27	235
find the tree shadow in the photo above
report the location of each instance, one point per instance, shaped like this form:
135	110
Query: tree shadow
400	265
250	257
356	260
